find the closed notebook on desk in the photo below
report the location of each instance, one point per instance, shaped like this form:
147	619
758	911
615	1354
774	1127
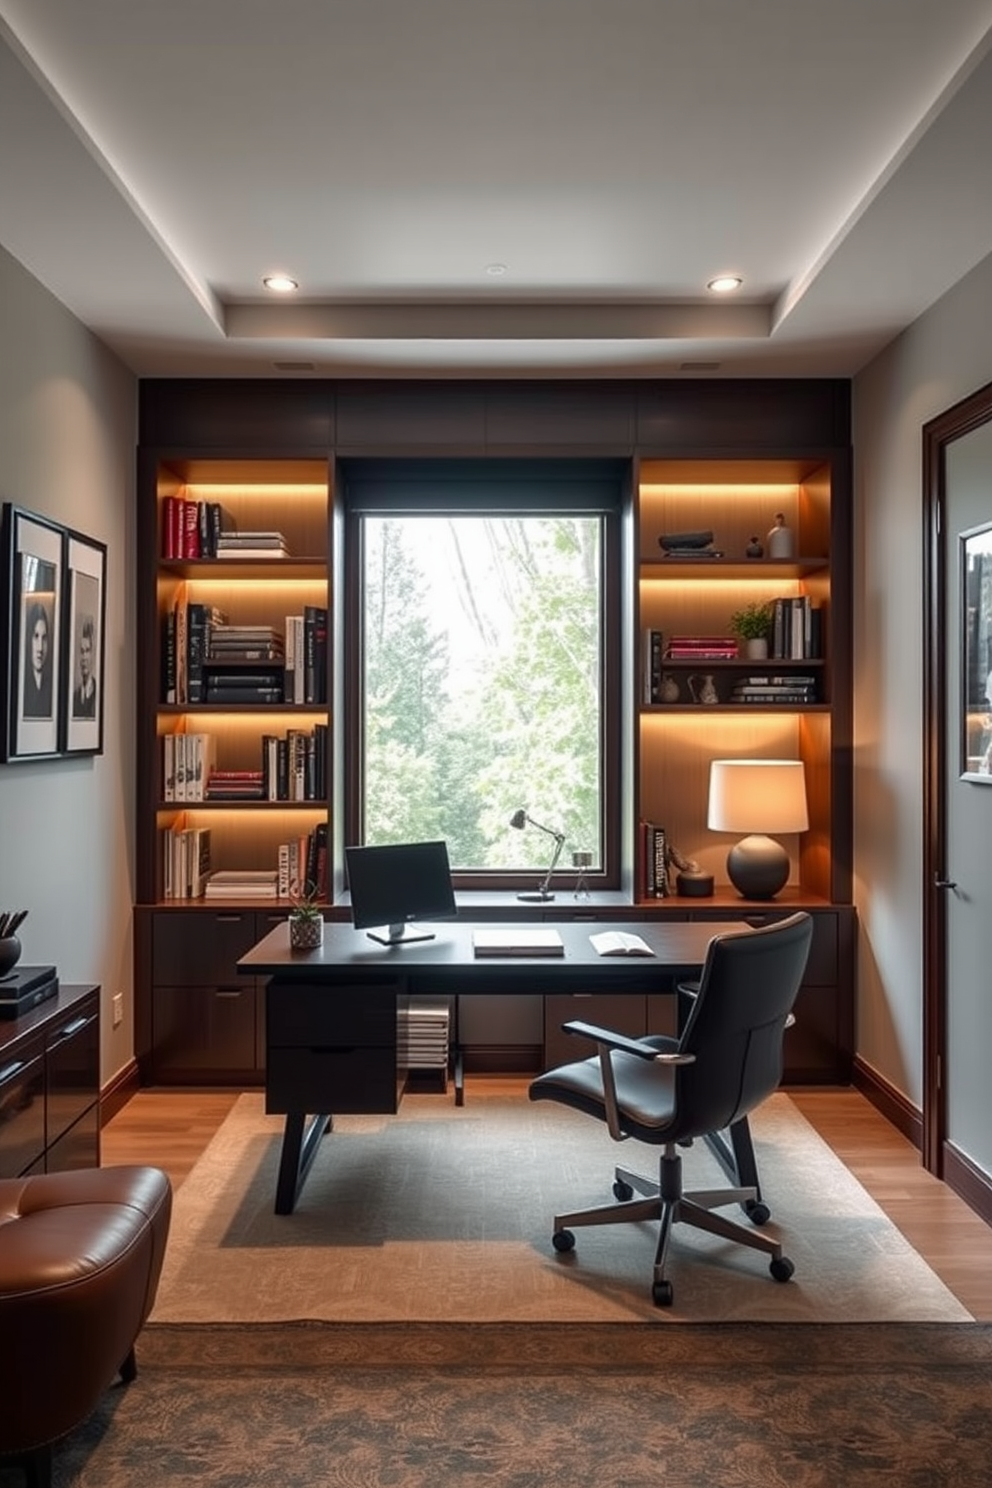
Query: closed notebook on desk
517	942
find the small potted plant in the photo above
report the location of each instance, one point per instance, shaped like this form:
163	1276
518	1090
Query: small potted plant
306	920
752	625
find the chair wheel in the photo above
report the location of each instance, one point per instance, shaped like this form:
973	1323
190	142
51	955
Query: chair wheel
662	1294
781	1268
622	1191
563	1241
758	1212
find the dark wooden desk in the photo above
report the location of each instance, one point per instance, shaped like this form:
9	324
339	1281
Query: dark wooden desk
330	1014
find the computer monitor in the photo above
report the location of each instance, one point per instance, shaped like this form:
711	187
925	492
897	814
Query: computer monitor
395	884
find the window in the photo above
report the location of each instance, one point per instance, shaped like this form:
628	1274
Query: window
481	668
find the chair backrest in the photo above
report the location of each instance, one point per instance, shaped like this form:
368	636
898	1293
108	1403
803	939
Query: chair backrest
735	1029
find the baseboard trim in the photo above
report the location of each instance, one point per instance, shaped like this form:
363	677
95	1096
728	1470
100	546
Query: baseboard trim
894	1106
968	1181
115	1095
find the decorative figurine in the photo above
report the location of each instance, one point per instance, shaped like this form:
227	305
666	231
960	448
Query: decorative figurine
780	539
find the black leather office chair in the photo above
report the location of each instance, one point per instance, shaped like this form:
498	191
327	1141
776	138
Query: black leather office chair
667	1092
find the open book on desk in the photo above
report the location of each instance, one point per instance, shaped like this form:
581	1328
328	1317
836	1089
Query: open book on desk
620	943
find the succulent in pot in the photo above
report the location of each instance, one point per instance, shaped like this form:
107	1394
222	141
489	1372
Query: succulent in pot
306	920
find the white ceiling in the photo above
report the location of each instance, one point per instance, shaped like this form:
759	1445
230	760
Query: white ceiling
158	157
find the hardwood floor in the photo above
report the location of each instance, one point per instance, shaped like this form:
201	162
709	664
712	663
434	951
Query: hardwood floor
170	1128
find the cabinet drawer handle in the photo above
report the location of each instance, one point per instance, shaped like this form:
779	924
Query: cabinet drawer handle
229	919
71	1028
230	992
11	1070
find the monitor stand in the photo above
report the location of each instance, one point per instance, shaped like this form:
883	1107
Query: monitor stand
400	934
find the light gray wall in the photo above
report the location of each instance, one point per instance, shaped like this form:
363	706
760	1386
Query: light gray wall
940	359
67	439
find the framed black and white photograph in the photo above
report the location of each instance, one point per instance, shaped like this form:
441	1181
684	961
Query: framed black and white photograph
976	671
83	646
33	572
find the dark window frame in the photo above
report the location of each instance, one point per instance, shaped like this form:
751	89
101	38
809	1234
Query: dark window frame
478	487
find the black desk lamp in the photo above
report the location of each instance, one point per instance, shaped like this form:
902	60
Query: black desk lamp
542	894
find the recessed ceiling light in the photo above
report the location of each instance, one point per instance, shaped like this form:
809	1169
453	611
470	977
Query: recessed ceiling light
280	283
725	283
495	270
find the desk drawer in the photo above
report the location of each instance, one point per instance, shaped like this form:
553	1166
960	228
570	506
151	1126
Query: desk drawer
196	949
331	1081
73	1071
304	1014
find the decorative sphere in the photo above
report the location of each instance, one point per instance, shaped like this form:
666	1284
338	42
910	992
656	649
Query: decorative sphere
10	953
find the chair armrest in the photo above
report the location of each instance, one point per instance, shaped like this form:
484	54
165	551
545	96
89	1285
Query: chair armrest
610	1038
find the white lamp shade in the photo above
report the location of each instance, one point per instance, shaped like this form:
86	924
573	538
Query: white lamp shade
767	796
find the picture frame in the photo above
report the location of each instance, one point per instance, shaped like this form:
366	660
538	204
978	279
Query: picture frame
83	647
976	654
34	566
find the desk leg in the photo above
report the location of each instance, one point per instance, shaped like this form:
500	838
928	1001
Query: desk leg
299	1148
457	1063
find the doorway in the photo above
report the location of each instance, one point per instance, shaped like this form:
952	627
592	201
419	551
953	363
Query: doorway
957	857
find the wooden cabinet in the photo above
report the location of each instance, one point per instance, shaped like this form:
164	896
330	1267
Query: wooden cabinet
202	1021
50	1085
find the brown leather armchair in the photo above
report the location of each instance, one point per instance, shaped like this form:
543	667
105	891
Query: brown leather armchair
80	1258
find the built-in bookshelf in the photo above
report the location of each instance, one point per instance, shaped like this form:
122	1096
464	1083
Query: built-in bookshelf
235	619
715	701
705	455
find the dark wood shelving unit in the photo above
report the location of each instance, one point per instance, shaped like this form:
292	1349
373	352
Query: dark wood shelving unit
763	446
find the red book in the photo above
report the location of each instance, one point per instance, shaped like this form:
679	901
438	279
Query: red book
170	527
190	530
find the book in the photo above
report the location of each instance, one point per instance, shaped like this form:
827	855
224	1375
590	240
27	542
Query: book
620	943
518	941
314	654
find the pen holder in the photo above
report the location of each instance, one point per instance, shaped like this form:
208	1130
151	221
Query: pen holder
10	954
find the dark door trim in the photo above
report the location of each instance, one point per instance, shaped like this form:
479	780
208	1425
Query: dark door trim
961	419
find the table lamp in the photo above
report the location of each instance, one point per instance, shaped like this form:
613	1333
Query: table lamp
757	797
542	893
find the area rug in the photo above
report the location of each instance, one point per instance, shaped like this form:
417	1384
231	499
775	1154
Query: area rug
735	1405
444	1214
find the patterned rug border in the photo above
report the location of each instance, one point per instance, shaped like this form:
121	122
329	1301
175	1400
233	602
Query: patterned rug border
578	1346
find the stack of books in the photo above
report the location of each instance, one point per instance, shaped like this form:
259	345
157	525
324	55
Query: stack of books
187	762
252	545
191	529
234	644
689	545
186	862
781	688
241	883
303	864
306	656
235	785
796	629
652	654
653	860
293	767
702	648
